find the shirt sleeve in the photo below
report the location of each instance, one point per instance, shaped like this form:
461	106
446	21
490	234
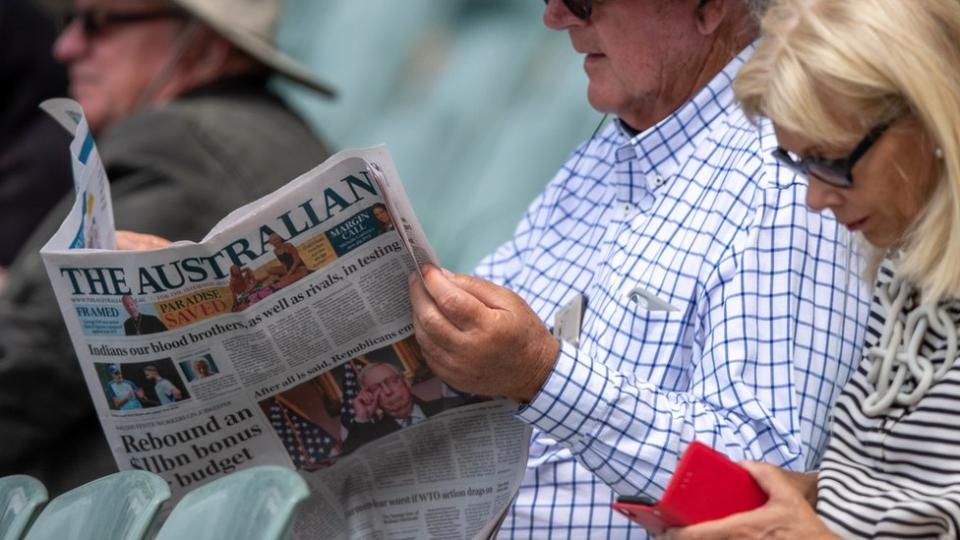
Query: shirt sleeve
774	317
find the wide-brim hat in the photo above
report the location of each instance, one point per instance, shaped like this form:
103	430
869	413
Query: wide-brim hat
251	26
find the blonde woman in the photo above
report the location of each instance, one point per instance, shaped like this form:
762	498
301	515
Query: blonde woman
865	98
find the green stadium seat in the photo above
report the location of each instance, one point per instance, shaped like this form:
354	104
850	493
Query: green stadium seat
253	504
121	506
21	496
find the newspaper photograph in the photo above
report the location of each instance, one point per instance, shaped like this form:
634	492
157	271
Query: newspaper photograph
284	337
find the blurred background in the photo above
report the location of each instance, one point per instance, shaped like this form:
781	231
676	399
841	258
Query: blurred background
479	103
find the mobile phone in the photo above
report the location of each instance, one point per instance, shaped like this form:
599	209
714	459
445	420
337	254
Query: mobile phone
642	500
705	486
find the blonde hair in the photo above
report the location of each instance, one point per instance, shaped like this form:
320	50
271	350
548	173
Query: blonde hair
876	60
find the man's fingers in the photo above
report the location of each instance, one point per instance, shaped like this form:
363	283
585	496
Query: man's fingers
132	241
453	304
490	294
432	328
458	305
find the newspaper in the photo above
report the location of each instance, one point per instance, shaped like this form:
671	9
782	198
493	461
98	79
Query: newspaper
284	337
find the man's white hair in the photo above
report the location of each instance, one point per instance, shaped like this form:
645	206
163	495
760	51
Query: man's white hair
371	366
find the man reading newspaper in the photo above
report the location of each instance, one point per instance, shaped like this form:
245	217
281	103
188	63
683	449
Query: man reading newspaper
714	305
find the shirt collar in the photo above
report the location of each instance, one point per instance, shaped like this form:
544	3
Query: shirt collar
416	416
662	149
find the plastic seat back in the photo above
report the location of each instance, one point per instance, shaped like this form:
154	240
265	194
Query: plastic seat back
20	498
256	504
121	506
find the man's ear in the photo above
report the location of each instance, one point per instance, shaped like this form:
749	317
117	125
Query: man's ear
207	57
711	14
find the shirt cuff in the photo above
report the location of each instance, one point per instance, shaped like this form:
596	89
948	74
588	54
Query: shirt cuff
575	399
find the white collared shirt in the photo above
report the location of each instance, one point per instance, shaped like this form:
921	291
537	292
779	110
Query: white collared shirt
416	416
768	329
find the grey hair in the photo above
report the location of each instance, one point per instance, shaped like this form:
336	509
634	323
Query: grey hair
369	367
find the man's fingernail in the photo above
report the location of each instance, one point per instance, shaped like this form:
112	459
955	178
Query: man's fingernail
446	273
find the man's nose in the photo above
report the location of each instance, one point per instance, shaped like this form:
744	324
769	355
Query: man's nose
556	16
70	44
821	196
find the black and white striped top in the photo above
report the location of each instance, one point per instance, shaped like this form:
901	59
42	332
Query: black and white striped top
896	474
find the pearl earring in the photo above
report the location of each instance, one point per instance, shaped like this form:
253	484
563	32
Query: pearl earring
938	153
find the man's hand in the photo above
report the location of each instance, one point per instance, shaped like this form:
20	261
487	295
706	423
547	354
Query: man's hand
786	516
479	337
131	241
365	405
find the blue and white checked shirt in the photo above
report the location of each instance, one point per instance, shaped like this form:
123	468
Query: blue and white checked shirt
769	325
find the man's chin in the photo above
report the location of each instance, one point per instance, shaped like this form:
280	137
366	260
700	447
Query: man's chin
398	412
602	99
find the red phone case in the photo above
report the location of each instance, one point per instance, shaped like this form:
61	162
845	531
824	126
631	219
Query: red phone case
705	486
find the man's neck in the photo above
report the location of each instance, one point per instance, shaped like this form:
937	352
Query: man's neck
721	52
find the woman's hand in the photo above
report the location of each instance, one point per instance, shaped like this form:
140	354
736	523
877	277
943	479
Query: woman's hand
131	241
787	515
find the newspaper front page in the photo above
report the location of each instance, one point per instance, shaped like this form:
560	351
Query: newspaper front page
284	337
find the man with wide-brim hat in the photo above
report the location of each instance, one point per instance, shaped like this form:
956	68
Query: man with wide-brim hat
176	92
251	26
180	45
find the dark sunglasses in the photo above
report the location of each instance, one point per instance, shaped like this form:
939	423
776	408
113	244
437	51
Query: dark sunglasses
580	8
836	172
95	22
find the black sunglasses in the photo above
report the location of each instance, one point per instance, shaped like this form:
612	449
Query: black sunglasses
836	172
580	8
95	22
